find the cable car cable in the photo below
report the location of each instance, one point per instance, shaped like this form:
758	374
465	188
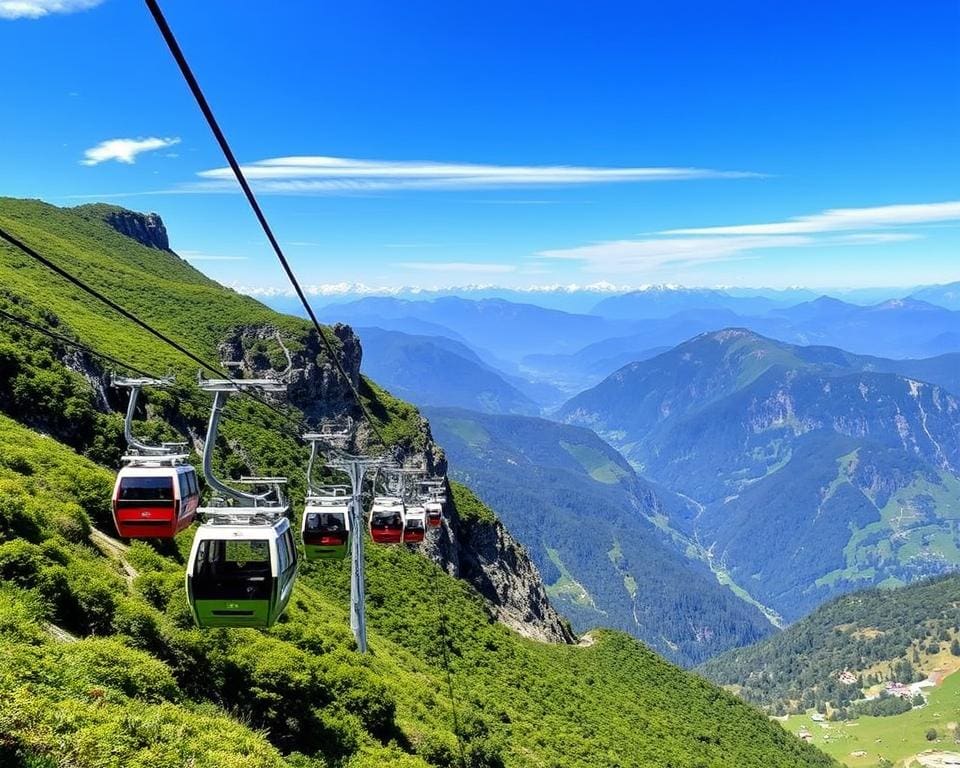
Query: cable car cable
101	355
444	635
201	100
76	344
16	242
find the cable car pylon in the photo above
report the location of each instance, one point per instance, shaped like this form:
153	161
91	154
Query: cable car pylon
356	468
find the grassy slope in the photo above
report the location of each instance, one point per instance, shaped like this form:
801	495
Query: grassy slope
142	669
896	738
143	687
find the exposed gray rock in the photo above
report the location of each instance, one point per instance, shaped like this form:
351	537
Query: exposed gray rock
486	556
146	228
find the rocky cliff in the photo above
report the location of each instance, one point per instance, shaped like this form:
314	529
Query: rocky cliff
483	553
146	228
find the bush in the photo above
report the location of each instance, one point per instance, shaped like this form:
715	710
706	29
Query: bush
71	522
17	521
931	734
21	563
138	622
107	663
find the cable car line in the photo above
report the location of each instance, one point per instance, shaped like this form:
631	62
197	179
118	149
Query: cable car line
211	119
76	344
17	243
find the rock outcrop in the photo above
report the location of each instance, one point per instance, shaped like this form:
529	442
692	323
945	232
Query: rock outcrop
146	228
485	555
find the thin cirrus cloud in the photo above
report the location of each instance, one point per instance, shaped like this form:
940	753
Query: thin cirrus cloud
332	175
124	150
691	245
35	9
840	219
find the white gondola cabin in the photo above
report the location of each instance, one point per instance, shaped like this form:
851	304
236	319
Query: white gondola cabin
241	575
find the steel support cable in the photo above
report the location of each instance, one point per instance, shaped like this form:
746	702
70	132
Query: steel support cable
444	643
201	100
17	243
103	356
76	344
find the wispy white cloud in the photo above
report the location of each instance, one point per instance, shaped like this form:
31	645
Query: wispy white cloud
34	9
875	238
692	245
332	175
458	266
124	150
838	219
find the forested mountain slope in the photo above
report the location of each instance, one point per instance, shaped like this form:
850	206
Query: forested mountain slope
814	471
99	662
590	525
899	634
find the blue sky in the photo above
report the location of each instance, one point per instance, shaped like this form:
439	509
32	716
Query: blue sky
435	144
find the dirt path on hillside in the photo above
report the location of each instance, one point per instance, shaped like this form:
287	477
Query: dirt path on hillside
116	551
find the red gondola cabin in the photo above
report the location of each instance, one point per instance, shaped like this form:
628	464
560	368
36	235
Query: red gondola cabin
434	514
154	501
386	520
414	525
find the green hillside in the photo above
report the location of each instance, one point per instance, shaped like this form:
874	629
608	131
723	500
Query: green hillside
878	635
101	665
99	662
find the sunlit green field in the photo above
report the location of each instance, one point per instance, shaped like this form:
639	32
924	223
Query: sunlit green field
896	738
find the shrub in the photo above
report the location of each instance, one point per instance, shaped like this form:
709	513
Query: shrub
107	663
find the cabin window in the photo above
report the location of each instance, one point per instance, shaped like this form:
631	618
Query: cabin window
325	522
184	485
146	489
291	548
232	570
192	480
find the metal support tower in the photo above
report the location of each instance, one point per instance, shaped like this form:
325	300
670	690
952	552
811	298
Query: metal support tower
356	468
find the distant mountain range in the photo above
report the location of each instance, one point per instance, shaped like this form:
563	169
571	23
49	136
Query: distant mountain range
591	526
561	353
814	470
436	370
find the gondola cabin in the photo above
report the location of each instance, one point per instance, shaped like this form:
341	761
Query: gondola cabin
386	520
434	511
154	498
241	575
325	527
414	525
